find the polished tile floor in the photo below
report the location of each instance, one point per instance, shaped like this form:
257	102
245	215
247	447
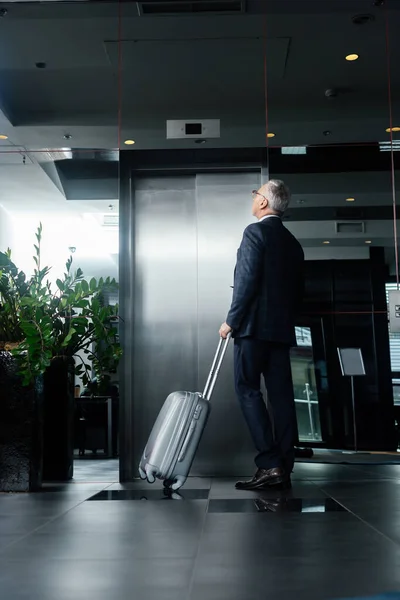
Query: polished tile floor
336	535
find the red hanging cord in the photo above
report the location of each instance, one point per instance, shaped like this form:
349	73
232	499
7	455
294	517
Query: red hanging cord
396	248
266	81
119	73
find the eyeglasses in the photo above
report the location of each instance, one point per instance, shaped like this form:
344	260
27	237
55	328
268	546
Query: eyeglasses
255	193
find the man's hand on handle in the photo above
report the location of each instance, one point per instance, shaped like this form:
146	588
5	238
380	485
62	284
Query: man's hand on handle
224	330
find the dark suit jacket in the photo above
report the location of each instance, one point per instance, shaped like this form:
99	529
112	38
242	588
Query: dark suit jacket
268	284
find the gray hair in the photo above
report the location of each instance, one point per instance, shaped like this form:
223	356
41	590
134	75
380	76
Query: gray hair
278	195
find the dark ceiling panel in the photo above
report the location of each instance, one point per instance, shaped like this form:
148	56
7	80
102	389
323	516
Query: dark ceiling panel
200	66
82	94
219	76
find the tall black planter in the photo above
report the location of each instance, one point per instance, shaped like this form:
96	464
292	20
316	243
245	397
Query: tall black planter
21	430
58	455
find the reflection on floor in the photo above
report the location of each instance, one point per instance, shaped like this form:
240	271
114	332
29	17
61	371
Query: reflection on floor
354	458
335	535
101	470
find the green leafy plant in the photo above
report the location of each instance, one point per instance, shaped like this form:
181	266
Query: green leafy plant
13	287
51	325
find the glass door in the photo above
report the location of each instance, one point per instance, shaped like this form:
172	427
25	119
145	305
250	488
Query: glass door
305	387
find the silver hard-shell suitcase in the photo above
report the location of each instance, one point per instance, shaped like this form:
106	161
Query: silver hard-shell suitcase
176	434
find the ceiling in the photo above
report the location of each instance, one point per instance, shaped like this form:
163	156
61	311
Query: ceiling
102	58
113	72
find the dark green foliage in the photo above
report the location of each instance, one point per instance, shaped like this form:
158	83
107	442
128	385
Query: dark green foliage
49	325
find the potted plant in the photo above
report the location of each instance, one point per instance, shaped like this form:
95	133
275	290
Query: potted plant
82	324
55	327
21	401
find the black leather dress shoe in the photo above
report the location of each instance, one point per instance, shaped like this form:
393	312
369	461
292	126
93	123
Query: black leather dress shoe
264	479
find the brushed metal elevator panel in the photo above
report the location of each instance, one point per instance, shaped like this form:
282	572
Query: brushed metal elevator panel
187	232
223	209
165	301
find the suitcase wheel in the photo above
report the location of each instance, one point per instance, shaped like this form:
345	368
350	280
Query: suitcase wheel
151	473
142	473
168	483
178	483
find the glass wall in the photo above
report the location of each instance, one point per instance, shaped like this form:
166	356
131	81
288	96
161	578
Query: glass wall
305	387
332	97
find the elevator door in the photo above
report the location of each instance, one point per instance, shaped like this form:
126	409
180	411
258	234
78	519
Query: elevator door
223	211
187	231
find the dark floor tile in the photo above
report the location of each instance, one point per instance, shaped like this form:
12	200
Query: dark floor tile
147	549
318	471
77	545
151	495
41	507
154	579
365	491
301	578
7	539
275	505
236	538
383	518
388	471
119	517
20	524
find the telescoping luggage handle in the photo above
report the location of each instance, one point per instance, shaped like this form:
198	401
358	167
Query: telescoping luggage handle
216	366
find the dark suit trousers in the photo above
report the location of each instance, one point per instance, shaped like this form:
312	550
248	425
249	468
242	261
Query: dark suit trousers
254	358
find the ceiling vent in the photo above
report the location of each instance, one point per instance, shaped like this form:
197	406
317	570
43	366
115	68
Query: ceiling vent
387	146
294	150
347	227
168	7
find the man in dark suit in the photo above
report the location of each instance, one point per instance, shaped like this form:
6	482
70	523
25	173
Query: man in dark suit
267	293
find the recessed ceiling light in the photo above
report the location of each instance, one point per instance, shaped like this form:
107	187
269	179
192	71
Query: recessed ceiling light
271	135
389	129
368	242
3	137
350	199
129	142
326	242
352	57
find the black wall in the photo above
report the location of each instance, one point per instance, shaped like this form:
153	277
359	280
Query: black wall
345	305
